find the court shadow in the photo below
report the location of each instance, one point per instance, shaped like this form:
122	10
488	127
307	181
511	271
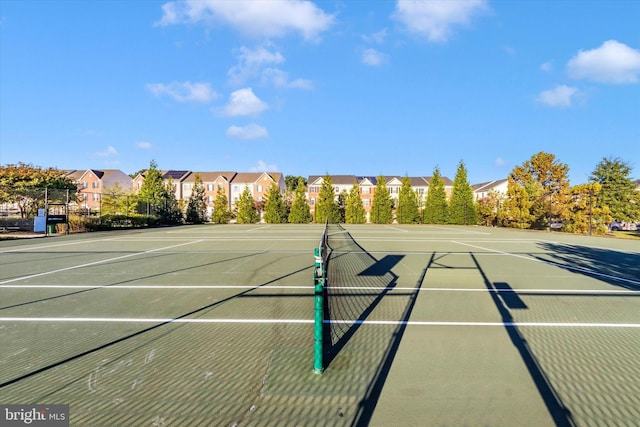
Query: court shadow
504	299
509	297
382	267
370	400
616	268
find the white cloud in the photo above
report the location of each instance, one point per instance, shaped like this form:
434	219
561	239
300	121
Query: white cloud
547	67
250	131
243	102
110	151
613	62
254	63
184	92
373	57
435	19
143	145
378	37
251	62
560	96
278	78
274	18
263	167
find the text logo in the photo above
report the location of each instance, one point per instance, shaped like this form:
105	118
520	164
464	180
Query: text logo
34	415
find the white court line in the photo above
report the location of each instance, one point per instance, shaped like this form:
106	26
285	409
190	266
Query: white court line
310	321
95	262
555	264
152	287
395	229
361	288
54	245
457	230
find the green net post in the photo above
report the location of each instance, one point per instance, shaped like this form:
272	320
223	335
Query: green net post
318	333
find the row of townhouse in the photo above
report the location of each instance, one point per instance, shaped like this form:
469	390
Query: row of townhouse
367	188
93	183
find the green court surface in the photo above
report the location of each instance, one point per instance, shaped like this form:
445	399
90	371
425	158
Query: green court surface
427	326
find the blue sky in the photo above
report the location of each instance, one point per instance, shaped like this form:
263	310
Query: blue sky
306	88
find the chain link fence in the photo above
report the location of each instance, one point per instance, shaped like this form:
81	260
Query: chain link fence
49	211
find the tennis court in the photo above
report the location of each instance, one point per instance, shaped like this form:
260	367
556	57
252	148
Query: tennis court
427	325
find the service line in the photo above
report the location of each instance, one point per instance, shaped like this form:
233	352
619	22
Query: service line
89	264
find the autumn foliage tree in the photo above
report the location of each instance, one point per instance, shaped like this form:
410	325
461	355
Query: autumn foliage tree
546	182
24	185
587	213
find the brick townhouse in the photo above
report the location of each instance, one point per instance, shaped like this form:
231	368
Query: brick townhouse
213	183
367	187
93	183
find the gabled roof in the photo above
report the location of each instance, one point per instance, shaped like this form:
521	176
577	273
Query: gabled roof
447	181
74	175
371	179
335	179
210	176
175	175
101	174
393	180
250	177
486	186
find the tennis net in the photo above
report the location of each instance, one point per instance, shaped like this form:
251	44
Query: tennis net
354	283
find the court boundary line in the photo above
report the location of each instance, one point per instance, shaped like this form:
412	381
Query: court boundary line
89	264
311	321
555	264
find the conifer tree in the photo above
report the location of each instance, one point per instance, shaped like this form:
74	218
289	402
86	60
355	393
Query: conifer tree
327	207
435	209
618	191
300	213
354	209
247	212
170	212
462	209
221	213
407	210
275	211
152	192
382	205
197	205
341	202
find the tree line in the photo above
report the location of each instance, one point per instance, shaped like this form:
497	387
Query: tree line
538	193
